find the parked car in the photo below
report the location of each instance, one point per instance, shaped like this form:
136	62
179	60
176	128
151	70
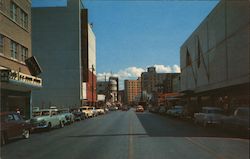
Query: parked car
13	125
67	115
162	110
87	111
46	118
176	111
124	108
238	121
139	108
100	110
209	115
78	114
154	109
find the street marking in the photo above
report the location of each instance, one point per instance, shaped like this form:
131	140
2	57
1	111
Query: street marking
212	152
130	139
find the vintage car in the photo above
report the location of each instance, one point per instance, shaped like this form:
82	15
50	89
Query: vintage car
238	121
176	111
78	114
13	125
139	108
100	110
209	115
88	111
46	118
67	115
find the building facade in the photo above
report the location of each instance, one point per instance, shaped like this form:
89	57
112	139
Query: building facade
215	58
157	82
132	90
17	78
64	43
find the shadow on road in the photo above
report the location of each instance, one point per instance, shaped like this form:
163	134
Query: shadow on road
108	135
162	126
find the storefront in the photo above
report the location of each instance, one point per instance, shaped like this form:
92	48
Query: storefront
16	91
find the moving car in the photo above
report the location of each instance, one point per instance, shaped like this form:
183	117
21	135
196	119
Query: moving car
13	125
238	121
209	115
139	108
46	118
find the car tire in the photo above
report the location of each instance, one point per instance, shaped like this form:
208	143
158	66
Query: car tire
61	124
4	139
26	134
49	126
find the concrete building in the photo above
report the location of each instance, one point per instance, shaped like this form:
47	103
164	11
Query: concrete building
18	68
64	43
132	90
215	58
113	89
157	82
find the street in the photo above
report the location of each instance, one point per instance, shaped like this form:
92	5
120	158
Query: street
129	135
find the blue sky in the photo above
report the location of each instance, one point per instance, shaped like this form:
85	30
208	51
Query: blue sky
132	35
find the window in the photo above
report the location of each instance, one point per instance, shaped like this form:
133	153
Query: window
1	4
13	11
24	53
188	58
13	48
1	43
24	19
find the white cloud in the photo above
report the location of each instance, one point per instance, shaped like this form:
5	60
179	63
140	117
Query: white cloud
167	69
135	72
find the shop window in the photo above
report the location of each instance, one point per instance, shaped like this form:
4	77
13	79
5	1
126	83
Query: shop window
13	49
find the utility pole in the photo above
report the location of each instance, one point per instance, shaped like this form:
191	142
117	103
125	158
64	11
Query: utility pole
93	69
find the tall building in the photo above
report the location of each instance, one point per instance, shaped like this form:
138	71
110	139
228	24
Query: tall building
64	43
18	68
215	58
153	82
132	90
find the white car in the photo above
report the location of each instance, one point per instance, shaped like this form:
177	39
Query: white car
100	111
88	111
209	115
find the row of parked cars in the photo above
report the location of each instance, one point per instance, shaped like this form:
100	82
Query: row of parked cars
13	125
239	120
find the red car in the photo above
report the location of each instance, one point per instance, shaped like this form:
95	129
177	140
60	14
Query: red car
139	109
13	125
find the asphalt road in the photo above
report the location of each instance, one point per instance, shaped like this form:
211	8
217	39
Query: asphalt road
129	135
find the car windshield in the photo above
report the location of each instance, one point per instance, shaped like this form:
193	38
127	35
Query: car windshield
36	114
45	113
